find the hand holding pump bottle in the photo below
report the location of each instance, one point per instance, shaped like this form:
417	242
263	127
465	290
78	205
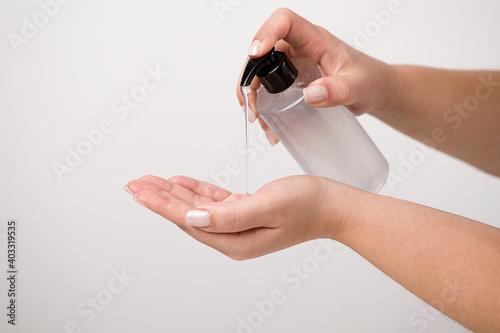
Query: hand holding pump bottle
328	142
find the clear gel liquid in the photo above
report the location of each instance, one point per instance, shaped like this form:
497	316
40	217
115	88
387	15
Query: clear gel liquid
245	92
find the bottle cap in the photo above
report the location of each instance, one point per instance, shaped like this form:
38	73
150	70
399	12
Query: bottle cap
274	70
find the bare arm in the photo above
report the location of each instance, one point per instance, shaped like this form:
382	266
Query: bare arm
457	112
450	262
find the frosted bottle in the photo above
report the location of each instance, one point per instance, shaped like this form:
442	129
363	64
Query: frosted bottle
328	142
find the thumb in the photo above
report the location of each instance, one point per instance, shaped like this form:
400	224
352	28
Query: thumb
329	91
229	216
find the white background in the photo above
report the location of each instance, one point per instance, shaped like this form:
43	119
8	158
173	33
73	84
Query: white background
74	233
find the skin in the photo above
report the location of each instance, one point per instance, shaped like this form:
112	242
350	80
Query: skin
449	261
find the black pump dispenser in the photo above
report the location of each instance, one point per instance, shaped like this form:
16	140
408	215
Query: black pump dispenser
274	70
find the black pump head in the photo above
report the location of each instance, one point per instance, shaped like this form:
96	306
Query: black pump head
274	70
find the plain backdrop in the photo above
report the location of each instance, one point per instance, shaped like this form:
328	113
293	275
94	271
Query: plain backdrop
78	231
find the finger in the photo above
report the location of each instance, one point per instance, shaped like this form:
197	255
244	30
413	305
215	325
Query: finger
164	184
201	188
283	46
176	190
271	137
292	28
165	205
232	217
278	26
137	185
329	91
236	197
242	245
255	85
252	102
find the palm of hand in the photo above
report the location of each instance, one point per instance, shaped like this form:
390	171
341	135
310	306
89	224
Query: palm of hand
280	214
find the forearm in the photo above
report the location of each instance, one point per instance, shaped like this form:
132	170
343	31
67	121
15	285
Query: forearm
457	112
449	261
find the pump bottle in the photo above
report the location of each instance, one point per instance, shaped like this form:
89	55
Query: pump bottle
328	142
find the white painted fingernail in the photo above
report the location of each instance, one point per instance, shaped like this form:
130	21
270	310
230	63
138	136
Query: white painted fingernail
272	139
128	190
137	200
198	218
251	114
315	94
254	48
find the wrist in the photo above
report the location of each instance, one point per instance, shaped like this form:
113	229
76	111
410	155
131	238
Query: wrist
338	209
392	91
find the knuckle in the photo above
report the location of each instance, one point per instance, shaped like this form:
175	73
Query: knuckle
147	178
143	196
231	219
134	184
283	11
175	178
285	16
341	91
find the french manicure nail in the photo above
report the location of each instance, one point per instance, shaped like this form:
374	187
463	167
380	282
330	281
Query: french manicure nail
272	139
251	114
315	94
128	190
198	218
254	48
137	200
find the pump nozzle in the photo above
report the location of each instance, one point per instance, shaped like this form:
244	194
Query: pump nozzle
253	65
275	71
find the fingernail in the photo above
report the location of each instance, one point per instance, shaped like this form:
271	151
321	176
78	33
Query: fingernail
315	94
198	218
254	48
251	114
272	138
137	200
128	190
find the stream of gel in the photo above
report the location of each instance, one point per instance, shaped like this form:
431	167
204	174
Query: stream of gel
245	92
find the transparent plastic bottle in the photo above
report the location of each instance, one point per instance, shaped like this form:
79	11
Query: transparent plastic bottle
328	142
